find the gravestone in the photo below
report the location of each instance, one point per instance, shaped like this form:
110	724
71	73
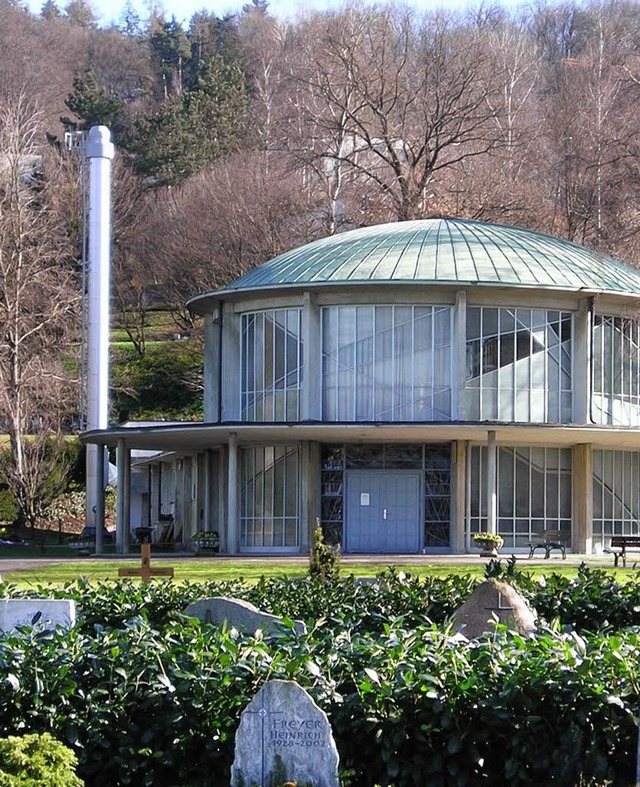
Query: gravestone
284	736
238	614
490	600
46	613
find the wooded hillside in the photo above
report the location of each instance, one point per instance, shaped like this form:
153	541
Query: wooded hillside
243	136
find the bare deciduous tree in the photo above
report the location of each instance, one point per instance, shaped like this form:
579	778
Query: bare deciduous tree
37	298
397	100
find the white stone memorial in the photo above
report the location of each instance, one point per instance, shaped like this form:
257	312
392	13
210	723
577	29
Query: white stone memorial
46	613
284	736
238	614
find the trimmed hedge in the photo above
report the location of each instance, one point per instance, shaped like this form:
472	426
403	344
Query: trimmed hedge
156	699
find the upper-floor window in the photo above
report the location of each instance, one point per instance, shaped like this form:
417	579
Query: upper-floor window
386	363
615	354
271	375
519	365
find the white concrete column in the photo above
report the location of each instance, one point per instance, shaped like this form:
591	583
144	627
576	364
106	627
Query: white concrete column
127	501
309	494
459	358
492	507
154	494
207	491
231	363
222	476
123	497
232	496
212	366
311	405
582	503
582	364
459	495
99	518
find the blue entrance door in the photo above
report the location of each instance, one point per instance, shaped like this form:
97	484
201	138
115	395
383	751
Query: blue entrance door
383	511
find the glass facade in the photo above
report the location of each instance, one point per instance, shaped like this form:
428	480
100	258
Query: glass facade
393	363
386	363
519	365
534	492
271	368
269	496
616	495
615	343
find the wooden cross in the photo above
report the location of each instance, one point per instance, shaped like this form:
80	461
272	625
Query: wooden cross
145	572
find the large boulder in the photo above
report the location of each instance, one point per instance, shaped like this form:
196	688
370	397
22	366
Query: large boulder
490	601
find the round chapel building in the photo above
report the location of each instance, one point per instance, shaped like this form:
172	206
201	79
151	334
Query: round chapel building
408	385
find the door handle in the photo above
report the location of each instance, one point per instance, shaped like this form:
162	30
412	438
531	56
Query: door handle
385	513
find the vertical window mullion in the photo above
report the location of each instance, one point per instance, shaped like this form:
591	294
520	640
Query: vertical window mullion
354	364
481	365
299	369
284	499
612	366
288	314
545	369
498	369
264	495
394	381
259	359
336	387
529	467
374	362
244	372
545	471
514	487
412	398
561	480
272	383
431	392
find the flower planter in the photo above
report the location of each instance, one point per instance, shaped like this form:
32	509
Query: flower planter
489	546
207	542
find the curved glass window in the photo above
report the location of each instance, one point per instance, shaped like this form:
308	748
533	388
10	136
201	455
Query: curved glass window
615	346
518	365
386	363
616	495
269	497
534	492
271	365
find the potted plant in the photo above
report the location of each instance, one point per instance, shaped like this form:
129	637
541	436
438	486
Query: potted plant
489	543
202	540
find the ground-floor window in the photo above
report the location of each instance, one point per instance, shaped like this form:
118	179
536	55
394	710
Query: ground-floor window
270	496
533	492
433	462
616	494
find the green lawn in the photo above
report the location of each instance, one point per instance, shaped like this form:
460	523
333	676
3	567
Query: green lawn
194	571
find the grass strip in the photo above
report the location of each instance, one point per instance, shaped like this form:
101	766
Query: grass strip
190	570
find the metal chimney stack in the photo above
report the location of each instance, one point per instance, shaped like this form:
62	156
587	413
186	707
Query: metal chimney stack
99	151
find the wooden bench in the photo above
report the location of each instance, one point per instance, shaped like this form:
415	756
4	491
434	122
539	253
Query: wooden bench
619	545
548	540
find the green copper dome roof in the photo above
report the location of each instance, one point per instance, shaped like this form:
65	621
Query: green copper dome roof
444	251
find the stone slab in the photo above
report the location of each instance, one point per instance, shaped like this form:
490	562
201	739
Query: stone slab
284	736
49	612
238	614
